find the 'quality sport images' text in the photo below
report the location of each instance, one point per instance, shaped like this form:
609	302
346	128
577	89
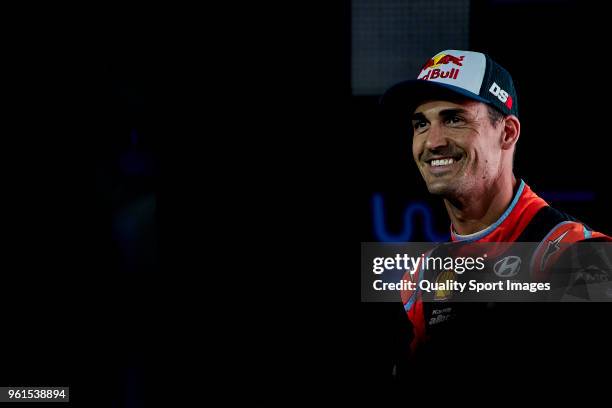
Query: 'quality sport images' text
455	286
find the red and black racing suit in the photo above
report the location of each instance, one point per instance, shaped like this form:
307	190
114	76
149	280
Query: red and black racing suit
440	332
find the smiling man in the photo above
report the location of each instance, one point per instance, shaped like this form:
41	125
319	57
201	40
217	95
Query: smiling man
464	150
465	128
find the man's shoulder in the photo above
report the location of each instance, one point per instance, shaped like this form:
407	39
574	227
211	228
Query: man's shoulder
550	224
556	233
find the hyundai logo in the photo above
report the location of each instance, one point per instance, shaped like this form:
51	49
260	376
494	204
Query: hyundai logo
507	267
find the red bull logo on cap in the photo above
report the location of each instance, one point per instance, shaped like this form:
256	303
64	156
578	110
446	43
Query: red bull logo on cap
434	63
443	59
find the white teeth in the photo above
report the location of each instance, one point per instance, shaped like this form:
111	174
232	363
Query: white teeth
441	162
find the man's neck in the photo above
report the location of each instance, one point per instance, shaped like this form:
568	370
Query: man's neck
477	211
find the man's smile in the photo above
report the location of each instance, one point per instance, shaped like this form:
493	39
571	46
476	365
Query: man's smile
442	164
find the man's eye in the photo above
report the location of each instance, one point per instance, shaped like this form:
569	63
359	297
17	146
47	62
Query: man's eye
454	120
419	124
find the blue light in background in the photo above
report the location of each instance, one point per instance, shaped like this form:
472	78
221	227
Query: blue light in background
383	235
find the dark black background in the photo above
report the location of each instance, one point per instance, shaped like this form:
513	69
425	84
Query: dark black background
77	312
255	119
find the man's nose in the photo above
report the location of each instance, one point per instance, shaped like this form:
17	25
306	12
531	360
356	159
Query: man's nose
435	137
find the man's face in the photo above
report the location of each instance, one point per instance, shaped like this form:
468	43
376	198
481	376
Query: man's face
455	147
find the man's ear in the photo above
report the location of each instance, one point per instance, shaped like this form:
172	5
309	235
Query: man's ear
511	131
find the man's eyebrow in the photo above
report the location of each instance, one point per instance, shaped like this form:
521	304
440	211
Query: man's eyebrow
443	113
418	116
454	111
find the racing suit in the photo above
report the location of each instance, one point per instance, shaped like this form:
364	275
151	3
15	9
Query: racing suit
437	328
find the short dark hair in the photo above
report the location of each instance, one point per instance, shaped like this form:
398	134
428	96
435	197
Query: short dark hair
495	115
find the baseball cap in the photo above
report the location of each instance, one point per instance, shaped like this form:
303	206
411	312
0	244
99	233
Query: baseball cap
471	74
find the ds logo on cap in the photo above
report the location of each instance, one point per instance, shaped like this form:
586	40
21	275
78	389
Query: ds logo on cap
501	95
